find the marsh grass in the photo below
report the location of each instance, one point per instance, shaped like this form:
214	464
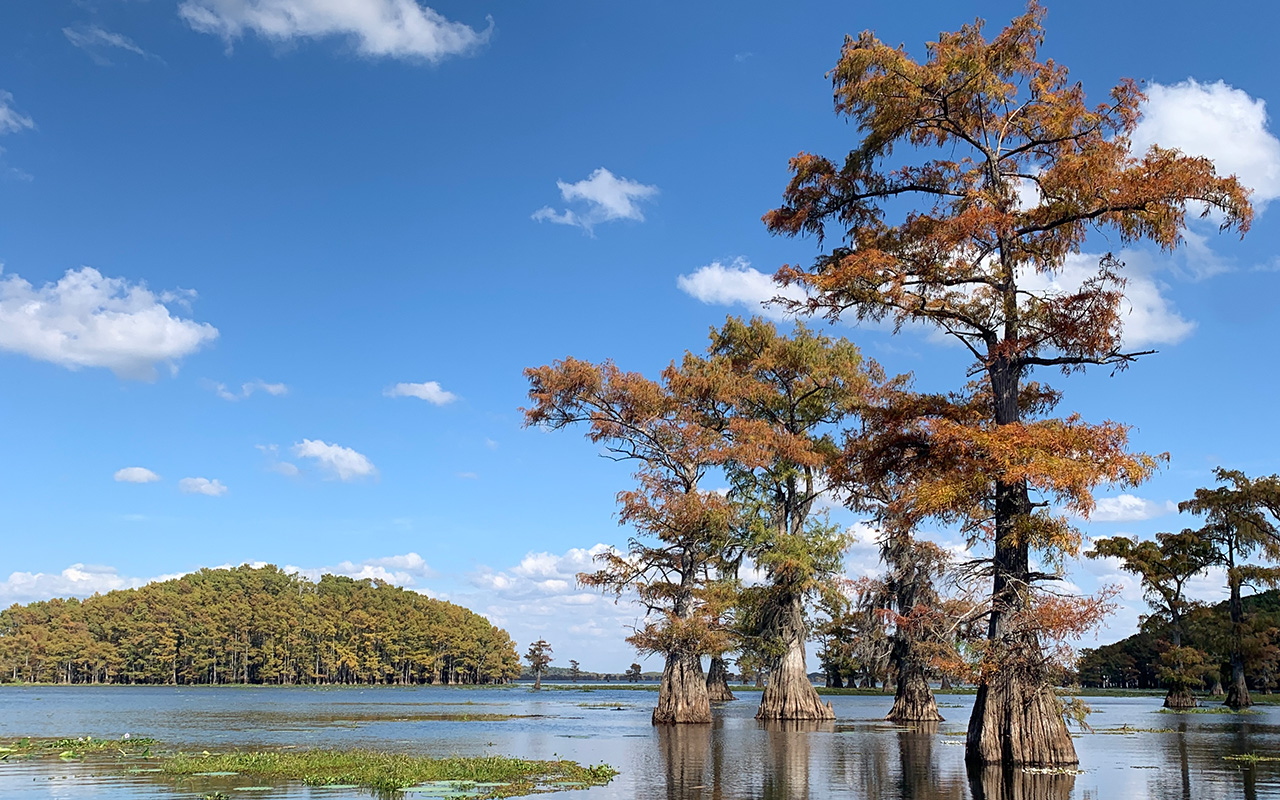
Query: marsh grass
479	777
1208	710
1249	758
28	747
488	776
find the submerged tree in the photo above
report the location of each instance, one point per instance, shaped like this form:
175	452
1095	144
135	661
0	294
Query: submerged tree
1164	567
538	658
781	400
1241	521
993	125
682	529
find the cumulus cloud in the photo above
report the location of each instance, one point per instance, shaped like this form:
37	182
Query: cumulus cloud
737	283
342	462
211	488
80	580
431	391
541	585
11	121
1216	121
401	29
403	570
87	320
77	580
1129	508
97	42
601	197
136	475
247	389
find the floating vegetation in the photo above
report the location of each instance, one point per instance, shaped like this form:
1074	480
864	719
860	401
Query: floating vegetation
481	777
607	706
1249	758
1126	729
1208	710
66	748
486	776
1052	771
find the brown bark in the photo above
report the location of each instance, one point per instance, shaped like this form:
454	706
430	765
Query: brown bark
1217	690
1180	698
718	681
789	694
913	701
682	695
1017	721
1016	718
1238	689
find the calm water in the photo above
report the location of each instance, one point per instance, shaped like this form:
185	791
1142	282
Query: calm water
858	756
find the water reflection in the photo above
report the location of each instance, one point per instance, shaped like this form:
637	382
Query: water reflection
685	750
1011	783
1137	754
789	756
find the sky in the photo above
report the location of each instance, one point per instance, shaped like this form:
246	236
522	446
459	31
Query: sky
272	270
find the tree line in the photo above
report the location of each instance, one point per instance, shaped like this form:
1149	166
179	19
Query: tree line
977	172
254	626
1189	646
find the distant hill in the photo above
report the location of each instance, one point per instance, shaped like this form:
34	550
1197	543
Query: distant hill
1133	662
247	625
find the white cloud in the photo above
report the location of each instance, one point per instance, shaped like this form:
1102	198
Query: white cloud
10	120
1216	121
603	197
212	488
404	570
247	389
382	28
136	475
737	284
87	320
1129	508
272	452
343	462
94	41
431	391
77	580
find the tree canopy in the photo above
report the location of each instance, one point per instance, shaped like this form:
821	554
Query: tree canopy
253	625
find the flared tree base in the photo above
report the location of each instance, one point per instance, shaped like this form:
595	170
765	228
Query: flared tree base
1018	722
1179	699
792	697
718	682
914	702
682	695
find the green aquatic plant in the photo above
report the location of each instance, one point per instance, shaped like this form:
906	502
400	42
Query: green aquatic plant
1249	758
486	776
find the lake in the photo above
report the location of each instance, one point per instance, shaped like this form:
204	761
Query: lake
858	756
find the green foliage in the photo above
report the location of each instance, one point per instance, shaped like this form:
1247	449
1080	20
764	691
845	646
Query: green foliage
248	625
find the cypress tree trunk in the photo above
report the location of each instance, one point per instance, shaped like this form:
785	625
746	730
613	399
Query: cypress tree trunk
1016	718
913	701
682	695
789	694
718	681
1180	697
1217	690
1238	689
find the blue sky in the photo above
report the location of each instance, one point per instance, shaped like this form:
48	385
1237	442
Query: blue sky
288	216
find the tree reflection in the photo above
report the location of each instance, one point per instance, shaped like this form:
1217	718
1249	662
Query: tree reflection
788	775
1013	783
919	776
684	751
